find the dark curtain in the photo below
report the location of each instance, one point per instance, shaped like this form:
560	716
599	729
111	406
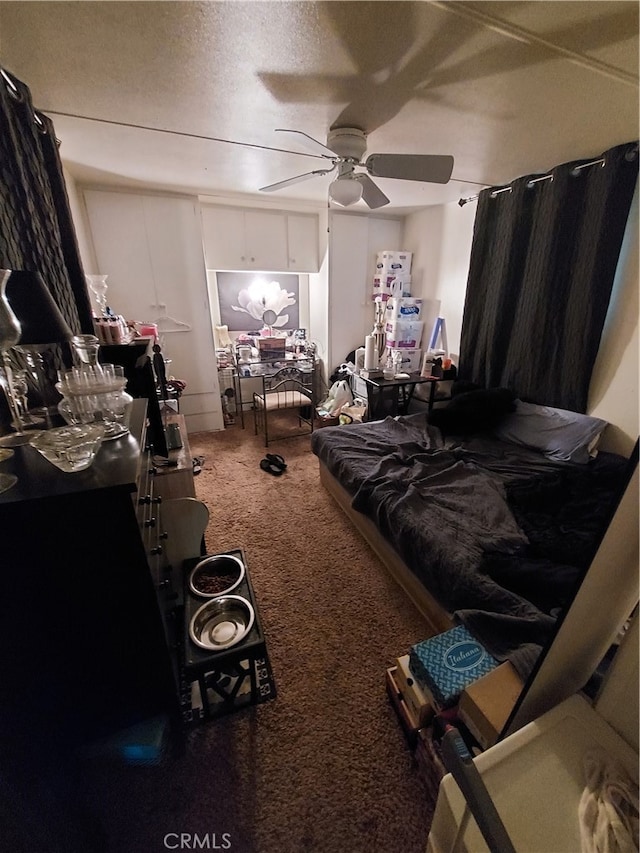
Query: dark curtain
543	260
36	229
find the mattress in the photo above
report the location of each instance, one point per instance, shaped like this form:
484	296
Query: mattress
499	534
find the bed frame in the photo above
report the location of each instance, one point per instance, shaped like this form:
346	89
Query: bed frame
439	620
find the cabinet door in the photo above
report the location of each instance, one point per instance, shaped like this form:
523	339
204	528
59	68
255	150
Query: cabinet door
151	247
302	242
223	234
266	240
119	238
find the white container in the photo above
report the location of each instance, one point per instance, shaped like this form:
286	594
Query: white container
404	334
403	308
393	263
410	359
536	779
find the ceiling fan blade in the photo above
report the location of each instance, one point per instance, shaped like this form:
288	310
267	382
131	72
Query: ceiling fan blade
372	195
433	168
296	180
316	148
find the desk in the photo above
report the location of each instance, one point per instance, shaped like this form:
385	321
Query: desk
261	369
392	396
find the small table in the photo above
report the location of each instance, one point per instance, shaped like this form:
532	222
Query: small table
392	396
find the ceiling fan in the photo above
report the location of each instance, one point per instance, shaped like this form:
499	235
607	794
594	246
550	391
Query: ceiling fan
344	150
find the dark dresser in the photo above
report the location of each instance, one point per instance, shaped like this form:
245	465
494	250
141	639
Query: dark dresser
85	602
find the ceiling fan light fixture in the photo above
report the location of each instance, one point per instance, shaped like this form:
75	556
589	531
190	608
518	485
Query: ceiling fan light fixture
345	191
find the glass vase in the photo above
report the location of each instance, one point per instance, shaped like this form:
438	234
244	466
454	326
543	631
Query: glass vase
98	286
10	332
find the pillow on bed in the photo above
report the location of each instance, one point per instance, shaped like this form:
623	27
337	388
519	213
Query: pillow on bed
558	433
473	411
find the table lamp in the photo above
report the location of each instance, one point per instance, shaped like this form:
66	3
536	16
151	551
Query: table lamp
42	326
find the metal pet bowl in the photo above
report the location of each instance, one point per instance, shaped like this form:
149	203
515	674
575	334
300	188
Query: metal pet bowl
221	622
215	576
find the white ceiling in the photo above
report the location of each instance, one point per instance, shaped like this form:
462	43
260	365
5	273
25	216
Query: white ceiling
507	88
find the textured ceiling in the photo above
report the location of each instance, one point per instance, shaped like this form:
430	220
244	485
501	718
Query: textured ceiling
507	88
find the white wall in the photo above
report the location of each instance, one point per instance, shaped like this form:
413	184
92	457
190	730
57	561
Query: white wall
79	216
614	384
354	241
440	239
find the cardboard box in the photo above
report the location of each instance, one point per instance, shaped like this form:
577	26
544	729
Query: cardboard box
428	758
418	703
359	386
407	721
403	308
393	262
404	334
447	664
485	704
411	359
325	421
269	347
387	286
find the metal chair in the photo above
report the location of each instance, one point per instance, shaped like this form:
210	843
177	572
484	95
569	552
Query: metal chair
288	389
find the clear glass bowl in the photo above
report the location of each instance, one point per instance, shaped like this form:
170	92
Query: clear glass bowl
95	394
70	448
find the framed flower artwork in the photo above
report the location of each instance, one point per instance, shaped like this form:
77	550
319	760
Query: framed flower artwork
251	301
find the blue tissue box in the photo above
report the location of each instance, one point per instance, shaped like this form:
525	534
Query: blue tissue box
444	665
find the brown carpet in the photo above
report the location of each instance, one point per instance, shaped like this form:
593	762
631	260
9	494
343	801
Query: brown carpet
324	766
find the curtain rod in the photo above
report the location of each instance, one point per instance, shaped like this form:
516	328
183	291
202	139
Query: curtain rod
11	86
14	93
601	161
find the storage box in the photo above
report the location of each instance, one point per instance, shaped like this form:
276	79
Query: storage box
410	359
407	721
404	334
429	760
387	286
403	308
391	262
485	705
271	347
359	386
419	705
446	664
326	420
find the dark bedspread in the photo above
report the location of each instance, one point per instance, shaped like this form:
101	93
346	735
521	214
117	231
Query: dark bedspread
497	533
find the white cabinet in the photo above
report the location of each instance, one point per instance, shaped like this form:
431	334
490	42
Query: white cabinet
223	237
242	239
302	242
151	249
265	236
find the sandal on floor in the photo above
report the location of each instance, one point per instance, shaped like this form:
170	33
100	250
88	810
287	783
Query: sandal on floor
277	460
269	466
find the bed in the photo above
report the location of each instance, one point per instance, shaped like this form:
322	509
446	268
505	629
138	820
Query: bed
477	528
